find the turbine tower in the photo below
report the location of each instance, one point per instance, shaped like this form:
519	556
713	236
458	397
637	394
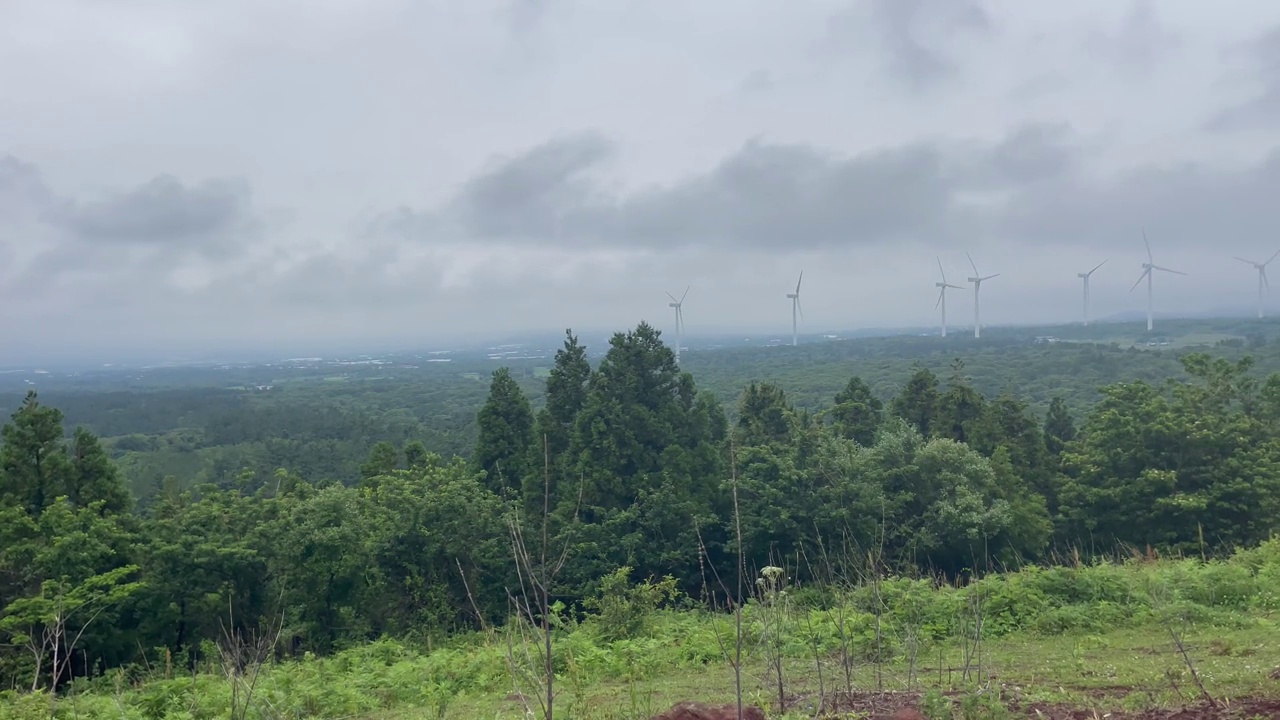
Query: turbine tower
1085	276
977	285
795	307
942	295
1148	269
679	306
1262	278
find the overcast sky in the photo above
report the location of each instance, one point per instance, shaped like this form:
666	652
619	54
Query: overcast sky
303	175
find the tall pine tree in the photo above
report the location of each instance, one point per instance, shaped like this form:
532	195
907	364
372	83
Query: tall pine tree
918	401
857	413
34	469
506	434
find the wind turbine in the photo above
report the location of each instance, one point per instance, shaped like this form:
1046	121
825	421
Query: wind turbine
1085	276
1148	269
942	296
977	285
795	307
1262	277
679	306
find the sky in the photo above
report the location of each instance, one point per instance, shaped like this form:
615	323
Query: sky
305	175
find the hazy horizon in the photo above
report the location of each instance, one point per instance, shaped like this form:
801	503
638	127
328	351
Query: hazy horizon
180	179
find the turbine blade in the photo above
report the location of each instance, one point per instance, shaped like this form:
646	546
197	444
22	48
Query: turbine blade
1141	277
800	308
1273	257
957	287
1095	267
991	276
1237	257
1265	282
1175	272
673	298
686	292
971	264
1144	242
799	281
941	292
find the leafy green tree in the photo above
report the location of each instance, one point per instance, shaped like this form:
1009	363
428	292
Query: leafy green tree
431	525
323	549
383	458
52	623
506	434
857	414
918	401
1199	466
1007	424
205	561
415	454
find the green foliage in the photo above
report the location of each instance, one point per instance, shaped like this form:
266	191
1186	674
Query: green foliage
506	435
857	413
334	537
625	610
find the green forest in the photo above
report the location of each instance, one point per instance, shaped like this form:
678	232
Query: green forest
628	496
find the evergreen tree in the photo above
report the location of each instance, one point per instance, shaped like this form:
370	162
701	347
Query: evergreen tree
1059	428
383	460
764	417
415	454
650	471
959	408
918	401
93	477
34	468
857	414
506	434
566	394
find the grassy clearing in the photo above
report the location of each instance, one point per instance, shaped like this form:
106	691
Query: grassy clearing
1093	637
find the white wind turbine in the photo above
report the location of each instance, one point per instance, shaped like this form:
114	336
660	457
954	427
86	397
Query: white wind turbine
1085	276
977	285
679	306
795	307
1148	269
1262	277
942	295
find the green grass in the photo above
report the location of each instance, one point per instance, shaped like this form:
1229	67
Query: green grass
1096	638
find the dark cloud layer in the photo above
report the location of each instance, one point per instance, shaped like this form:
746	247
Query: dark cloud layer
886	132
1185	205
765	196
164	211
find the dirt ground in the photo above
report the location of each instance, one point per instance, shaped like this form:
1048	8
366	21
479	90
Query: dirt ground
906	706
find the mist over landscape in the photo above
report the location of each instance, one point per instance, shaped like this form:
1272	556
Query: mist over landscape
259	178
537	359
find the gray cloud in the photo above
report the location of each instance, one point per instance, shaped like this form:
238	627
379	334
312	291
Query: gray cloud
914	34
22	189
163	211
1262	110
1183	205
734	144
764	196
1139	42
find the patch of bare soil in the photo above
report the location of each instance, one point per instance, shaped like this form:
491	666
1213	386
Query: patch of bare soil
906	706
703	711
